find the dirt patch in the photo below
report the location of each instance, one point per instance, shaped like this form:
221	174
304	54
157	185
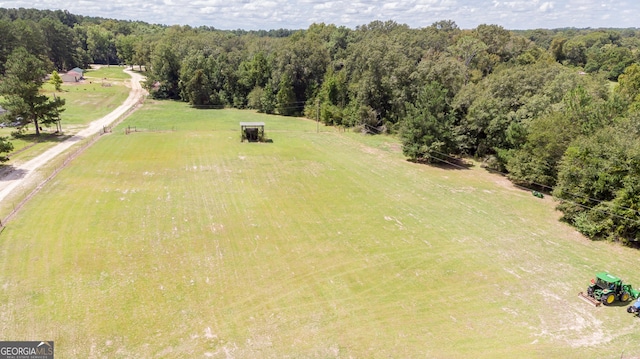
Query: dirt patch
369	150
394	147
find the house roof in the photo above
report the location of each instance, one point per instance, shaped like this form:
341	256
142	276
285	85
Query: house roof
78	70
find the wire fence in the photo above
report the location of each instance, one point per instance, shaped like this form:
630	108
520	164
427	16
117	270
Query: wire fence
41	176
22	193
549	191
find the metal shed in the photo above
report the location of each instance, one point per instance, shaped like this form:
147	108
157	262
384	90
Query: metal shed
252	131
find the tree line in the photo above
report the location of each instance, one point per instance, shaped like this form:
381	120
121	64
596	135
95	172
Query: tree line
556	110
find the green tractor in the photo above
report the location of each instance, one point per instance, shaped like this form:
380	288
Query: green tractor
606	289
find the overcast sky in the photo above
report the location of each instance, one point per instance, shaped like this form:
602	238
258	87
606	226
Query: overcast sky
299	14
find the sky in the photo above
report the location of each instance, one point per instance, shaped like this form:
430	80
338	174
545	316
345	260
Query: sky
299	14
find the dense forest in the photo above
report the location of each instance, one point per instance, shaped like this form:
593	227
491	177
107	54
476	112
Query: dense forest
556	110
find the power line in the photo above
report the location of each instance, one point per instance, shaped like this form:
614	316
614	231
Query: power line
288	106
551	188
561	199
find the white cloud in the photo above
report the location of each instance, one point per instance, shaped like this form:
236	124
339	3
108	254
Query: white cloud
546	6
390	6
323	6
257	6
299	14
209	10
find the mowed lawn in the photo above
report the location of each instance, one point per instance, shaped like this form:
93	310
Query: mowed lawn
102	91
185	242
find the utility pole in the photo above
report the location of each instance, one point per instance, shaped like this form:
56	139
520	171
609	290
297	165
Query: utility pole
317	115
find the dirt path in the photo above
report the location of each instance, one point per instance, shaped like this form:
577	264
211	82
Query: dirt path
23	172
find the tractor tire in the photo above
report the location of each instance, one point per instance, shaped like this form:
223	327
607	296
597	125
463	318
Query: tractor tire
624	297
608	298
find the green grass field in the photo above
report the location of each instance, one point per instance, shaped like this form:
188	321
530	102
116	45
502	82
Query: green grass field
103	91
179	240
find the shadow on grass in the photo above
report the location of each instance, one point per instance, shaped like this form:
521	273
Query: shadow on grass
267	140
10	173
32	140
207	107
619	304
448	164
43	137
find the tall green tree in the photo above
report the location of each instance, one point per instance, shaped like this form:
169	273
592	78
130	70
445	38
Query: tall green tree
254	99
468	48
101	45
56	80
125	45
142	53
609	59
333	98
163	81
21	91
598	185
629	83
268	100
60	43
254	72
304	59
440	34
31	37
428	130
5	147
196	86
495	112
8	42
286	97
196	90
379	75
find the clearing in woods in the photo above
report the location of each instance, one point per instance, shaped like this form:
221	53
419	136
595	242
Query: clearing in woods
179	240
31	163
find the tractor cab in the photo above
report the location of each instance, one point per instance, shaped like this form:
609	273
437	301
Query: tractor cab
607	281
607	288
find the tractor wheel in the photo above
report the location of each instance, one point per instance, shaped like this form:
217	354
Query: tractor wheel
608	298
624	297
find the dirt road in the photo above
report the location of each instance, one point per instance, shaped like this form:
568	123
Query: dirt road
23	172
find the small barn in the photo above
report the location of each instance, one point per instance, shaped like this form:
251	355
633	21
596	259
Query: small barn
74	75
252	131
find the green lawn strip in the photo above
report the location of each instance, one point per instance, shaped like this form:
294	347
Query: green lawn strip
190	243
85	102
177	116
107	73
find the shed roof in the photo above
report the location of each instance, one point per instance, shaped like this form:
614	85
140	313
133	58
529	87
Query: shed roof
252	124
